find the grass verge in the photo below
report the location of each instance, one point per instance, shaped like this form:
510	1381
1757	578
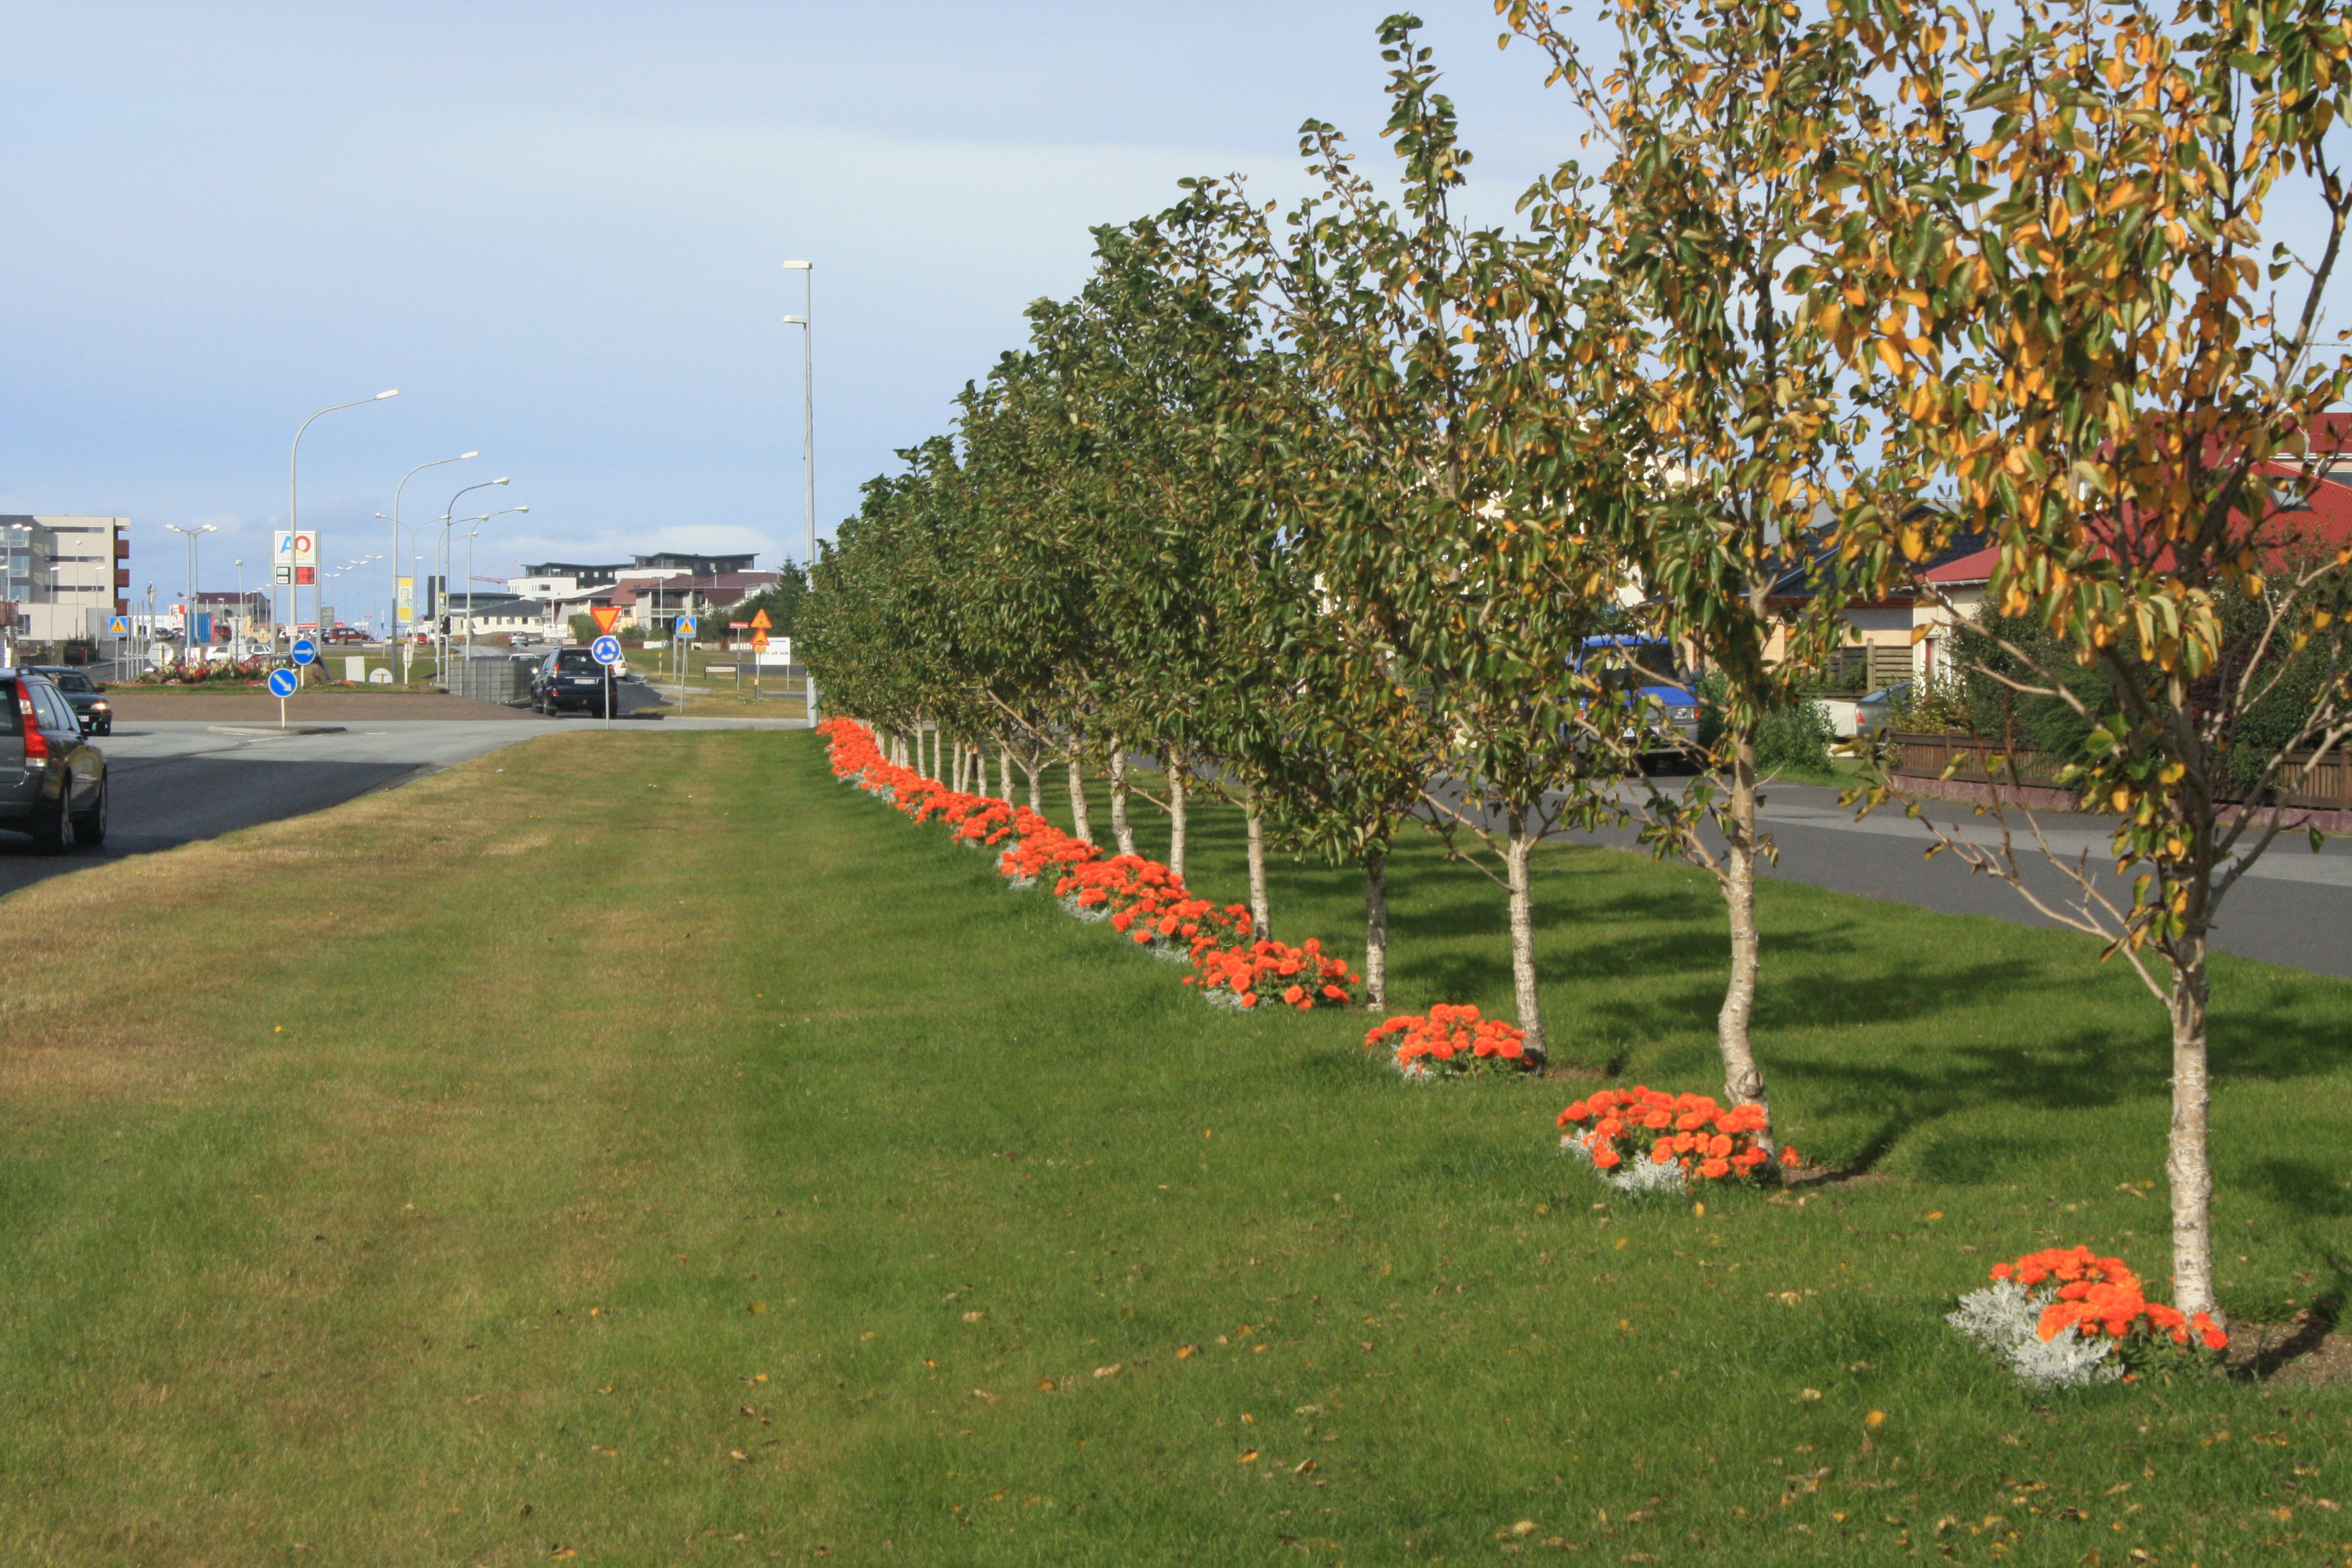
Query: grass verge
668	1154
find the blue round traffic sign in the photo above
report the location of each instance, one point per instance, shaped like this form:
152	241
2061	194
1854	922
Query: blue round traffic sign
605	650
282	683
305	651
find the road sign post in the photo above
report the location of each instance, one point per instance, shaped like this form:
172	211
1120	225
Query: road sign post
282	683
305	652
606	650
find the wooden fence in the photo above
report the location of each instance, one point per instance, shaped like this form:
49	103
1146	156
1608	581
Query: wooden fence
2328	788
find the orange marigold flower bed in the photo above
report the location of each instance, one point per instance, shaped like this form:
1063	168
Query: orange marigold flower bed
1450	1041
1299	977
1144	900
1684	1135
2067	1318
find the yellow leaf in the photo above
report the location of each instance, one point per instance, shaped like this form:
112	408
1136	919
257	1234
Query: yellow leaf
1246	1456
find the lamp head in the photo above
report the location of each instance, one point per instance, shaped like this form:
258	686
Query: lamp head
796	321
499	481
378	397
465	455
522	508
798	265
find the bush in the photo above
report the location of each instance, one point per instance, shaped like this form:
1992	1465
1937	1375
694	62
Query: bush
1799	738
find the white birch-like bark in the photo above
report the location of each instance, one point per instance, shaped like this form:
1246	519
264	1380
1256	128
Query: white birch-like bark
1524	995
2189	1175
1176	813
1261	913
1122	831
1376	929
1004	773
1035	769
1080	826
1743	1080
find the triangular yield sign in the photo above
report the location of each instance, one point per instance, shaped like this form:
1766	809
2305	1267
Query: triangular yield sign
761	622
606	615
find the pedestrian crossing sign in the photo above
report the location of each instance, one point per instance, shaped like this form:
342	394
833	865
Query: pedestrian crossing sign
685	626
119	626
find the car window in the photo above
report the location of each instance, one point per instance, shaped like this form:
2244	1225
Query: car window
54	712
72	682
12	717
575	661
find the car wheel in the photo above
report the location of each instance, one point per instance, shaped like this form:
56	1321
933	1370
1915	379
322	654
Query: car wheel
90	827
52	830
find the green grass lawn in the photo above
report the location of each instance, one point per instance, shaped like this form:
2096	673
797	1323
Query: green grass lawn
641	1146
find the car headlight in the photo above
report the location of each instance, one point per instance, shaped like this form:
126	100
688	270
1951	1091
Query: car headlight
101	708
1682	711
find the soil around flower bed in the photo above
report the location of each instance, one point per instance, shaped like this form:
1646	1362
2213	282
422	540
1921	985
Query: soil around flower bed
2308	1351
132	706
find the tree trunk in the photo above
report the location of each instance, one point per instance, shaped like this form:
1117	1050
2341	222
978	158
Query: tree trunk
1524	994
1376	927
1121	830
1743	1080
928	735
1080	827
1176	820
2185	1162
1004	773
1033	767
1261	914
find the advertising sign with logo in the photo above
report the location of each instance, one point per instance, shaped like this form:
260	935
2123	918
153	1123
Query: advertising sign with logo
294	557
404	610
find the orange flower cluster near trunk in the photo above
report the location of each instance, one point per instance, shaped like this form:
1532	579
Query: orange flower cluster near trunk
1689	1131
1143	899
2101	1295
1450	1041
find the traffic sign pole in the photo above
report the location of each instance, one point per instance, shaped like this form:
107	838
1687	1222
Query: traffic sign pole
282	683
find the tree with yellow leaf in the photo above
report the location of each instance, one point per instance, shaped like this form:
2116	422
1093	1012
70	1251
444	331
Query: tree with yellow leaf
1716	123
2102	346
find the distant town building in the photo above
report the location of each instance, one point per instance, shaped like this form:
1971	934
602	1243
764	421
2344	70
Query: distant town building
63	578
650	591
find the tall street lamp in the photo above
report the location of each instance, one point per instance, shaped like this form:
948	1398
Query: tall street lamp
188	620
441	621
394	624
293	516
477	533
808	437
236	622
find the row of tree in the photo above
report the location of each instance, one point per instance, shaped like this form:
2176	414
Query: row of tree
1366	517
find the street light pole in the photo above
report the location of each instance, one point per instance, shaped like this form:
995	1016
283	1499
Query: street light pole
293	516
236	622
470	579
392	632
188	613
808	441
442	666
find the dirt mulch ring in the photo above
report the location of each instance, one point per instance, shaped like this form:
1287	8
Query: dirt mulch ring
2309	1351
132	706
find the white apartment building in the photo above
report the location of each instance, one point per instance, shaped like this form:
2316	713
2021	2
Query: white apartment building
63	576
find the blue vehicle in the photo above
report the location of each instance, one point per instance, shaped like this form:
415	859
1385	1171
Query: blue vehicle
1672	708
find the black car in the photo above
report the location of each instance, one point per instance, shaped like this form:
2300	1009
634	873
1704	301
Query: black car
96	713
571	678
52	781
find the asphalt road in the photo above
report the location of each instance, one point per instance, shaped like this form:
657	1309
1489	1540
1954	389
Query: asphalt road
2292	907
174	782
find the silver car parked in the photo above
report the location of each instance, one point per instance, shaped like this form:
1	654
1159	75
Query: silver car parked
52	780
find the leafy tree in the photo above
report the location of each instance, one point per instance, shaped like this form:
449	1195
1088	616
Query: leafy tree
2072	206
1715	122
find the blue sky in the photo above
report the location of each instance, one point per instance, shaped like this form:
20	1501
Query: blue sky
557	227
557	230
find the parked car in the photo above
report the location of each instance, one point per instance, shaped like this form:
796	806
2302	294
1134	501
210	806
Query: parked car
1648	665
96	713
52	781
571	678
347	635
1870	711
